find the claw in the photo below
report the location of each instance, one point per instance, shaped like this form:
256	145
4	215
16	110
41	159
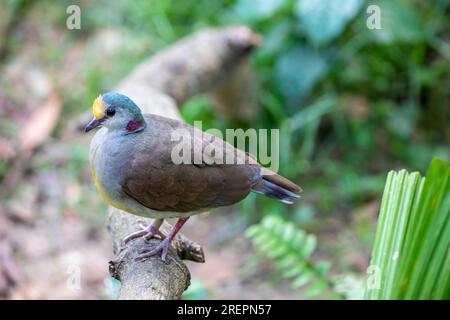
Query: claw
150	231
146	232
162	247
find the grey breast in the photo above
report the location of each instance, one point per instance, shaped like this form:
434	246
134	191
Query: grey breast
110	156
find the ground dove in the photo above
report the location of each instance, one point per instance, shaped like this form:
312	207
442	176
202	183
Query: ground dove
156	167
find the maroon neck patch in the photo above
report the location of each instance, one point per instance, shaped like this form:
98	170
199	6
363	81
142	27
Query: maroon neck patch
134	125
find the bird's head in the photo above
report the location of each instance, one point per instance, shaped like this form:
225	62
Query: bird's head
116	111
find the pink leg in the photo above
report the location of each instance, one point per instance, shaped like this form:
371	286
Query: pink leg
146	232
164	245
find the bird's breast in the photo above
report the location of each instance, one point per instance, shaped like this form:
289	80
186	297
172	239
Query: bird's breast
108	159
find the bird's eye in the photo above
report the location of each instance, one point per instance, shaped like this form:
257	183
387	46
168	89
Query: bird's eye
110	112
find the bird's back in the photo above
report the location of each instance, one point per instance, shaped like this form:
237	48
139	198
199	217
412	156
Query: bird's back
157	182
137	171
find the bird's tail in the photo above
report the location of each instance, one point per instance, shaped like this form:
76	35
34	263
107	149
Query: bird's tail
278	187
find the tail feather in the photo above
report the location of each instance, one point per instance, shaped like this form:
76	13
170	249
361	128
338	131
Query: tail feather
280	189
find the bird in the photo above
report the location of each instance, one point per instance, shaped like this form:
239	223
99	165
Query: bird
131	158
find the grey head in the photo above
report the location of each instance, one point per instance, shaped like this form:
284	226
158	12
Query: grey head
116	112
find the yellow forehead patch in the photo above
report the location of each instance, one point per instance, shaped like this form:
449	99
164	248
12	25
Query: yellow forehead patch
98	108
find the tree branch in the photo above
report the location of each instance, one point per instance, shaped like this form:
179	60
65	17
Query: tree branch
193	65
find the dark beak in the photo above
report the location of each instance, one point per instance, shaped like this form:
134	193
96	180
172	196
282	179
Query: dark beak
92	125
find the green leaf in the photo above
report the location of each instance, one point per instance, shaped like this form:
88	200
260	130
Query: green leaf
324	20
302	280
290	248
252	231
287	262
413	236
399	23
313	112
309	246
255	10
291	272
431	234
298	70
316	288
275	40
323	267
289	233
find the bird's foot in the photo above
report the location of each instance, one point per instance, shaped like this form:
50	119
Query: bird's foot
146	232
162	247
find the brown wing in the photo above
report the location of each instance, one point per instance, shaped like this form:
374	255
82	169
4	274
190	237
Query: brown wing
156	182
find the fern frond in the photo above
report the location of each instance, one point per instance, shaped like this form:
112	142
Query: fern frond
291	248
